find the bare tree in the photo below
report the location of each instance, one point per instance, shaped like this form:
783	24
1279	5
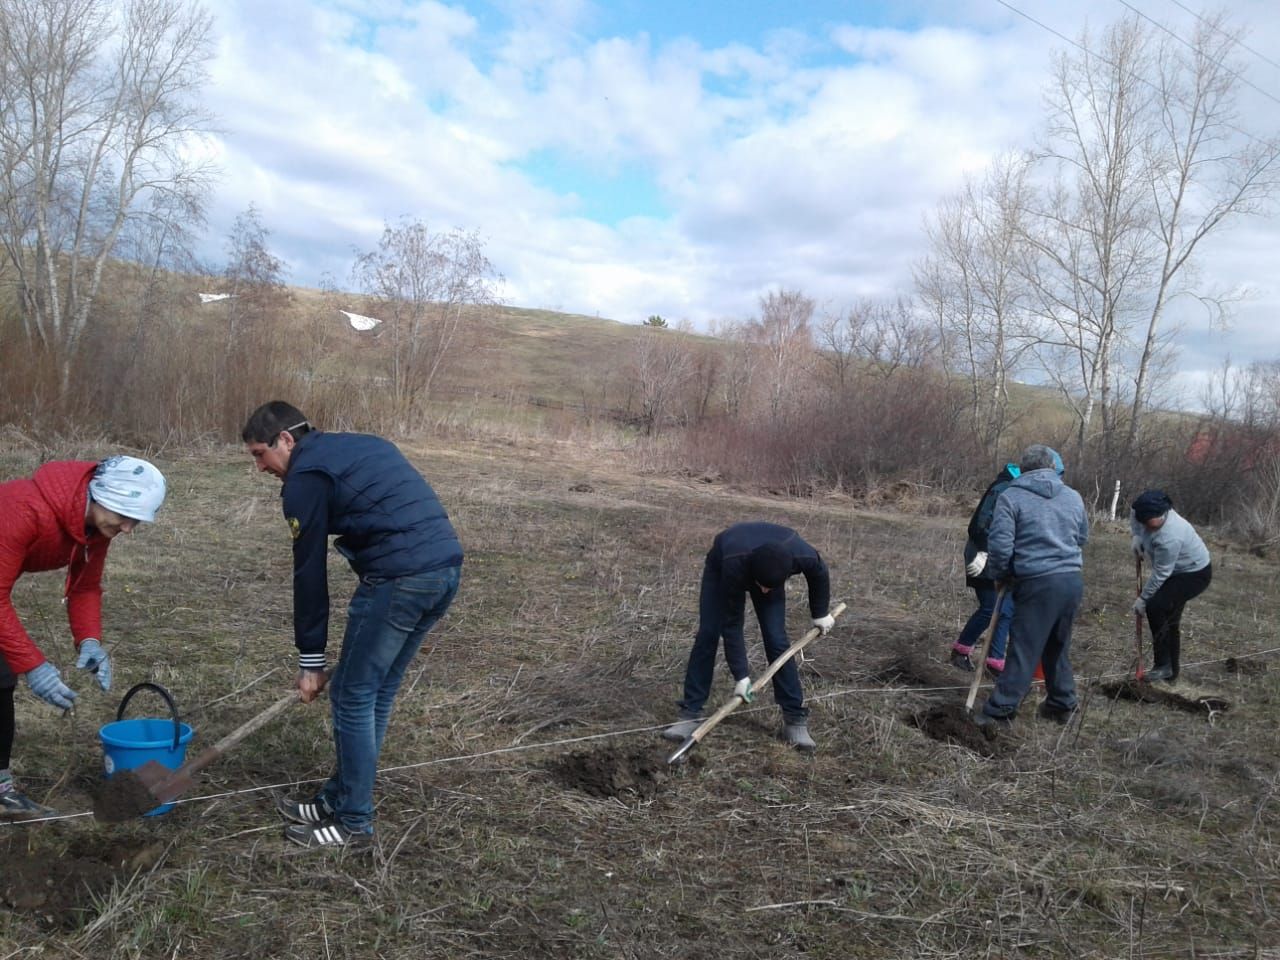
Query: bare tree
973	283
659	369
98	106
1207	174
783	335
424	282
1148	165
739	367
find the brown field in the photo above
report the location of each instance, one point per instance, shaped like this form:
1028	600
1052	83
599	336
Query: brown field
526	808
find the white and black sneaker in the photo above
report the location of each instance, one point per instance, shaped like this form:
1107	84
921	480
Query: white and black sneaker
331	834
308	812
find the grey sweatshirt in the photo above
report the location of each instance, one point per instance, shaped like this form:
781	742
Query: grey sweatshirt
1038	528
1174	548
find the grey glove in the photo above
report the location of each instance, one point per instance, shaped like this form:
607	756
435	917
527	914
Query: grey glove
94	659
743	689
977	564
46	683
1140	607
1136	543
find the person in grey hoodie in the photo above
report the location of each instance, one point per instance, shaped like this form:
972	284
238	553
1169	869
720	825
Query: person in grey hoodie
1035	541
1180	570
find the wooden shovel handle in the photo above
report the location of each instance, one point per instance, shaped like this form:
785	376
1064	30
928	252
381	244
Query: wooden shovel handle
1138	672
735	701
984	649
210	754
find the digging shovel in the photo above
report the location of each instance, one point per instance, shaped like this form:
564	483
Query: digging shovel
733	702
984	649
166	785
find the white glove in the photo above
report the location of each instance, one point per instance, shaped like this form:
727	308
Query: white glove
46	683
824	623
1140	607
743	689
94	659
977	564
1137	545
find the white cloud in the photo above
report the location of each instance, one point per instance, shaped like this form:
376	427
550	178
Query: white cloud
792	158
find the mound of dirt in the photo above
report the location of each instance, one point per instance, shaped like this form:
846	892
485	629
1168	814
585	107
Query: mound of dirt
1245	668
59	887
611	773
1191	701
951	723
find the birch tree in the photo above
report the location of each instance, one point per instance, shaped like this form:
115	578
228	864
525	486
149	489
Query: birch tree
99	103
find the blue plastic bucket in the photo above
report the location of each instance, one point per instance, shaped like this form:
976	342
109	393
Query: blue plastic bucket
127	744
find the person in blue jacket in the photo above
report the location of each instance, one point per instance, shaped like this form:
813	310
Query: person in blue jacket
1036	541
753	559
978	578
395	533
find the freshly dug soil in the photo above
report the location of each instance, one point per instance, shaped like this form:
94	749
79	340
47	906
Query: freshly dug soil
1190	700
60	890
123	797
951	723
638	774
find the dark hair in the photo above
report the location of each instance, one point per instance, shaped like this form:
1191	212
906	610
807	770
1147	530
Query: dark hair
770	565
271	419
1151	504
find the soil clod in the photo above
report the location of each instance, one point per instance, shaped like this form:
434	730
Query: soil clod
121	798
951	723
611	773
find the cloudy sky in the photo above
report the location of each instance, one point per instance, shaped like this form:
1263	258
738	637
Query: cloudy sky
679	157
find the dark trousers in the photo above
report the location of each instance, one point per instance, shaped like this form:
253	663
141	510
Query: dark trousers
1164	615
7	726
771	612
1044	611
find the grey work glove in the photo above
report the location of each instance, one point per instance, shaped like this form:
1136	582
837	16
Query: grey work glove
94	659
46	683
824	624
975	566
1140	607
1136	543
743	689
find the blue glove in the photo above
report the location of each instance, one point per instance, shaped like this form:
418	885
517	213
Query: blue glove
46	683
94	659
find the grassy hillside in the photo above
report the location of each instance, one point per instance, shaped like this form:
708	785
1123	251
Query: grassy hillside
526	808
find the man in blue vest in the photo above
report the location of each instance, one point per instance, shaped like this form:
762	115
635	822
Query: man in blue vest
397	537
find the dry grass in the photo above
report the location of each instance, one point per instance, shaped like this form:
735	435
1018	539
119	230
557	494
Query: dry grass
518	821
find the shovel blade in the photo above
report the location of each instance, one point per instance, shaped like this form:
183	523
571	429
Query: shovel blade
164	783
681	750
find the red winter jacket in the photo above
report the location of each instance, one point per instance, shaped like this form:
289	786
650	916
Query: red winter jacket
42	527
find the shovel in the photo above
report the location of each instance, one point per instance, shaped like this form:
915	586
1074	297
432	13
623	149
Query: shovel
733	702
165	785
983	650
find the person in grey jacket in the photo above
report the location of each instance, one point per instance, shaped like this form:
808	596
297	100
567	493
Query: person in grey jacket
1180	570
1035	541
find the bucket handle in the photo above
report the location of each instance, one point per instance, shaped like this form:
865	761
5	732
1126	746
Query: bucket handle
173	709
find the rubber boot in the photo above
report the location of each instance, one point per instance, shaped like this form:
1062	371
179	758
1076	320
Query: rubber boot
796	734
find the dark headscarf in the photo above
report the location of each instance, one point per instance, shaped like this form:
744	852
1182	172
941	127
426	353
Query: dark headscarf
1151	504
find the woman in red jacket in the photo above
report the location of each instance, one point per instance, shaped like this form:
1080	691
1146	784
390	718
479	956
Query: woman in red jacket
64	515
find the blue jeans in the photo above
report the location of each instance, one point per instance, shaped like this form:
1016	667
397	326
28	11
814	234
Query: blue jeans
386	623
980	619
771	612
1044	613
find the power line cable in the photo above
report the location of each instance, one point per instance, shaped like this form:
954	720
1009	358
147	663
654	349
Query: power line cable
1141	79
1191	46
1236	40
